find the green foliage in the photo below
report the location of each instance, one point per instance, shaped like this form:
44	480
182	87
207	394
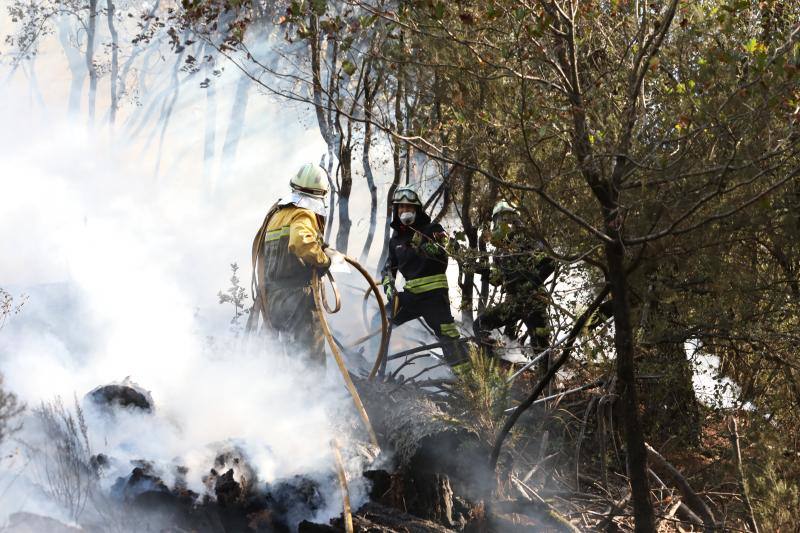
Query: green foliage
680	153
773	476
348	67
482	394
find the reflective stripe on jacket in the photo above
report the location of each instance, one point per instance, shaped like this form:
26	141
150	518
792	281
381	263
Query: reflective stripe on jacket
292	247
426	283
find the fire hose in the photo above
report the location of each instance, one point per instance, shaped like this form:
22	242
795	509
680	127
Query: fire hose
322	305
320	299
347	514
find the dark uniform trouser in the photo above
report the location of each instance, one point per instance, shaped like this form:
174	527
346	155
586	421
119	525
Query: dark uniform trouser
434	308
506	315
292	313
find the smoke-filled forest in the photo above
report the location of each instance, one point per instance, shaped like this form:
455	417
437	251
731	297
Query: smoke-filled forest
542	271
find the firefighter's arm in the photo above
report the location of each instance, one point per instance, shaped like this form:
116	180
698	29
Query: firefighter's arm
389	272
305	241
437	244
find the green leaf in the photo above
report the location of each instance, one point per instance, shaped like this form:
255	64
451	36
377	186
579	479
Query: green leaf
348	67
367	21
347	42
296	8
438	11
319	7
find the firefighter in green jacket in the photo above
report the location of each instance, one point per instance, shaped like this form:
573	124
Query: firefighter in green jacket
521	267
418	250
286	251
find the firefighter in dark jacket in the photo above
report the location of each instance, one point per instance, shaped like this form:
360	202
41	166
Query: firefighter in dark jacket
286	251
521	268
418	249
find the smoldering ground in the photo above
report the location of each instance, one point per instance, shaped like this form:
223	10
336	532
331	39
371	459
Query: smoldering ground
121	238
121	275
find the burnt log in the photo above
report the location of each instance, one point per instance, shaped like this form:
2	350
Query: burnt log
376	518
440	467
289	500
232	480
141	480
126	395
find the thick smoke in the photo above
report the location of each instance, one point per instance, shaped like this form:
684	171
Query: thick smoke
122	271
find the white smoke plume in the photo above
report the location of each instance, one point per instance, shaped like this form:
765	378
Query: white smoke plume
122	272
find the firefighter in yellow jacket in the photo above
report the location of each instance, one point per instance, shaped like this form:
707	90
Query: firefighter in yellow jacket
286	251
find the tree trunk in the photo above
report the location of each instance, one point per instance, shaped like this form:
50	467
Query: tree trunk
137	49
331	195
345	187
323	111
167	109
76	65
110	11
484	260
373	190
235	125
397	168
626	382
468	274
210	135
90	37
373	203
36	93
446	203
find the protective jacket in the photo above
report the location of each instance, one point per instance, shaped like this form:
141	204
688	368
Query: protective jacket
286	250
292	248
520	266
419	252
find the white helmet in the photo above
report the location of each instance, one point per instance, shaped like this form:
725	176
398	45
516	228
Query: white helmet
406	194
312	180
503	207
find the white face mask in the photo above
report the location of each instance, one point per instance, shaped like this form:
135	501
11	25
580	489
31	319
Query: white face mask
407	218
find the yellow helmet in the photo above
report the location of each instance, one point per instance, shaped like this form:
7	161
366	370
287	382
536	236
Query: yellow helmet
311	179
